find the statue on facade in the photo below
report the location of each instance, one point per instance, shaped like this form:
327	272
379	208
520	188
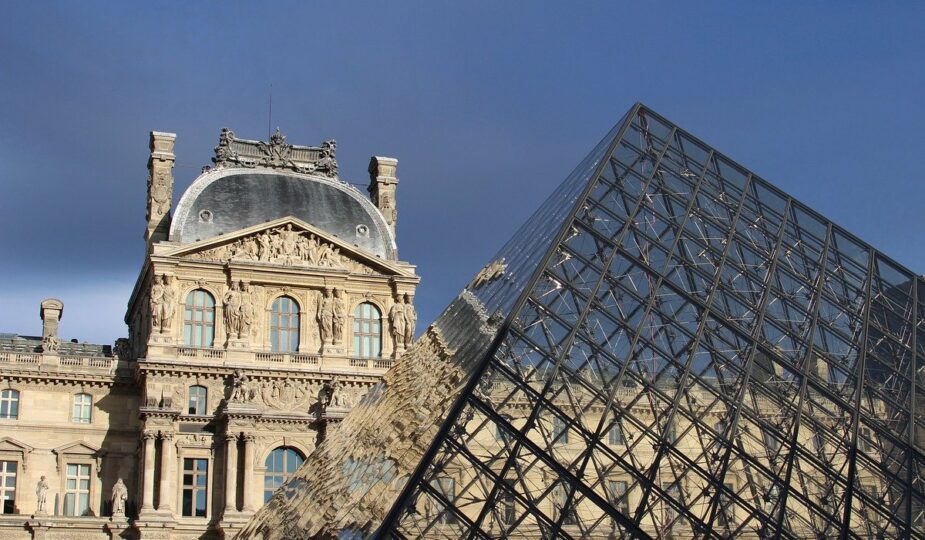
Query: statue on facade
339	316
240	387
411	320
157	298
248	312
397	324
41	494
327	162
119	496
50	343
325	315
168	304
232	303
122	349
289	243
264	247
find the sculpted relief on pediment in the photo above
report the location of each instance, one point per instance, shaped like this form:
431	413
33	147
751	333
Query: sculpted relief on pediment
285	246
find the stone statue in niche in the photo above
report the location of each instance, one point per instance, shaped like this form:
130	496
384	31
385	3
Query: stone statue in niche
41	494
119	496
248	312
411	320
232	303
325	316
339	316
163	303
397	325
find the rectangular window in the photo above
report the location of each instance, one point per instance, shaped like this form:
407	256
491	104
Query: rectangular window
864	440
771	442
446	487
559	500
83	409
197	400
77	490
726	510
9	404
8	485
559	431
673	492
195	486
616	494
671	432
508	511
615	436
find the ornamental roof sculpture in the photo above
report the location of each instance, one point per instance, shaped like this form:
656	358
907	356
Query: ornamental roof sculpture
674	347
276	154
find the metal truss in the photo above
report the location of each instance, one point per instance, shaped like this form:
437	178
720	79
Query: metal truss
686	351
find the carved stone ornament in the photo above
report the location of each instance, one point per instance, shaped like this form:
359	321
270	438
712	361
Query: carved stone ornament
287	246
163	303
488	274
276	154
285	395
50	344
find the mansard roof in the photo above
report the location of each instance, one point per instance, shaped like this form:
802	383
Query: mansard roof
254	182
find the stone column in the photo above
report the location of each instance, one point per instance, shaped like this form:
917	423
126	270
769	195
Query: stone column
249	473
160	185
147	497
231	472
168	459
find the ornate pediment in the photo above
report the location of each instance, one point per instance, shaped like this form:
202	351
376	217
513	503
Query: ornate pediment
287	244
10	447
80	450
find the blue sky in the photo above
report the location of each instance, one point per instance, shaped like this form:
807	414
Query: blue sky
486	105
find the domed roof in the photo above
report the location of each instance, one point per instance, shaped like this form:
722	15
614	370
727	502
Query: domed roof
225	200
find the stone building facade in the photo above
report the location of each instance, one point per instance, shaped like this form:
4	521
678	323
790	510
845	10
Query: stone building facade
270	300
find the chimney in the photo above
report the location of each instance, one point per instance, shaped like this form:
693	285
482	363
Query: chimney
50	313
160	186
382	185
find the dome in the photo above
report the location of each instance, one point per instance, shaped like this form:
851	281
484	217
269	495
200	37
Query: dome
225	200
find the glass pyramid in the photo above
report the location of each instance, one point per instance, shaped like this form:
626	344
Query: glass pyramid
671	347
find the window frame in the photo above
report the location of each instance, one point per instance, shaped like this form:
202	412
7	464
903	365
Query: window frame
7	490
367	331
196	328
291	332
78	409
71	500
278	478
10	400
201	401
191	468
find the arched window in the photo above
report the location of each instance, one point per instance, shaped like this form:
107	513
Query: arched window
198	402
280	464
9	404
199	319
284	325
367	331
83	409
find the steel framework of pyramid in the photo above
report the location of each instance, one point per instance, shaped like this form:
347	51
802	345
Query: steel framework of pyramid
669	347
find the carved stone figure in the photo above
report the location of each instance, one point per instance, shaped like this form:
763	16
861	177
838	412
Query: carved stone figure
289	243
41	494
248	312
411	320
336	399
240	389
232	303
327	163
169	304
326	317
122	349
50	343
397	324
157	298
339	316
119	496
